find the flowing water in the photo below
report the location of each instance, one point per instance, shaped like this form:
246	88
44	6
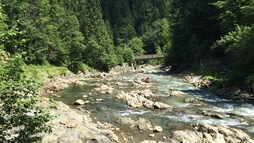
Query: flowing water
237	114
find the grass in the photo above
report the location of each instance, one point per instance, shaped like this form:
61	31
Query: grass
51	70
86	67
220	79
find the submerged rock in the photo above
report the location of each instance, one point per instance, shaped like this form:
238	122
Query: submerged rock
104	89
142	124
214	115
80	83
174	92
194	101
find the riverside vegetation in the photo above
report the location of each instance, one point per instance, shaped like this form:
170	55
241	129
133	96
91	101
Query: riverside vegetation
52	37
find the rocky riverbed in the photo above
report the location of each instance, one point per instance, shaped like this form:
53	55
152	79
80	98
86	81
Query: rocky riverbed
142	106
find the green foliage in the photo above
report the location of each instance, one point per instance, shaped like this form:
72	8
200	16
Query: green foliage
235	12
126	34
21	119
136	45
86	67
13	70
237	42
20	113
240	43
250	80
119	53
158	35
74	67
195	29
47	68
128	55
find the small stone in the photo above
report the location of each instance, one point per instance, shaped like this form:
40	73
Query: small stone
98	99
84	96
86	102
79	102
151	135
157	129
117	129
164	137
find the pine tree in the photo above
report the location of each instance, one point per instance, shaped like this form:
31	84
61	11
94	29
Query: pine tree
96	37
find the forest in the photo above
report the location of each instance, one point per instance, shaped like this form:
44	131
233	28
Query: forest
208	36
103	34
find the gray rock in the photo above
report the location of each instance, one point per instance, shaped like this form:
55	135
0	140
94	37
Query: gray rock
158	105
214	115
136	100
125	121
210	134
144	124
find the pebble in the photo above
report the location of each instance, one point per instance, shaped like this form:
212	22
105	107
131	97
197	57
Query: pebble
84	96
98	99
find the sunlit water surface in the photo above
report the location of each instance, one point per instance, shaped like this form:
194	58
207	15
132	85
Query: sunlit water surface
239	114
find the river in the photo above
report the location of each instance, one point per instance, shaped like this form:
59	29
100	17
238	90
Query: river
236	114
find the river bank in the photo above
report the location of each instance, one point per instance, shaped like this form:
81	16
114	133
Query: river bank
75	124
233	93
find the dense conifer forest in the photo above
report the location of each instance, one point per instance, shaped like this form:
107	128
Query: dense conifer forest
103	34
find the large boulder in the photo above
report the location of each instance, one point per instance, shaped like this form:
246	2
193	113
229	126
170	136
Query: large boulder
136	100
210	134
75	126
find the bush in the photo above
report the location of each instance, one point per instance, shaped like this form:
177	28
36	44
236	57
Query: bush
19	115
21	119
75	66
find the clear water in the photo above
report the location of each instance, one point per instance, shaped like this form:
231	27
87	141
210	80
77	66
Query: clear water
239	114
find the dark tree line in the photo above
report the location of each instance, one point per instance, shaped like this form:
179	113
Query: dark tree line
214	33
105	33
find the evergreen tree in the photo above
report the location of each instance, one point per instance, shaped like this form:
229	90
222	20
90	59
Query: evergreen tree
194	31
96	37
